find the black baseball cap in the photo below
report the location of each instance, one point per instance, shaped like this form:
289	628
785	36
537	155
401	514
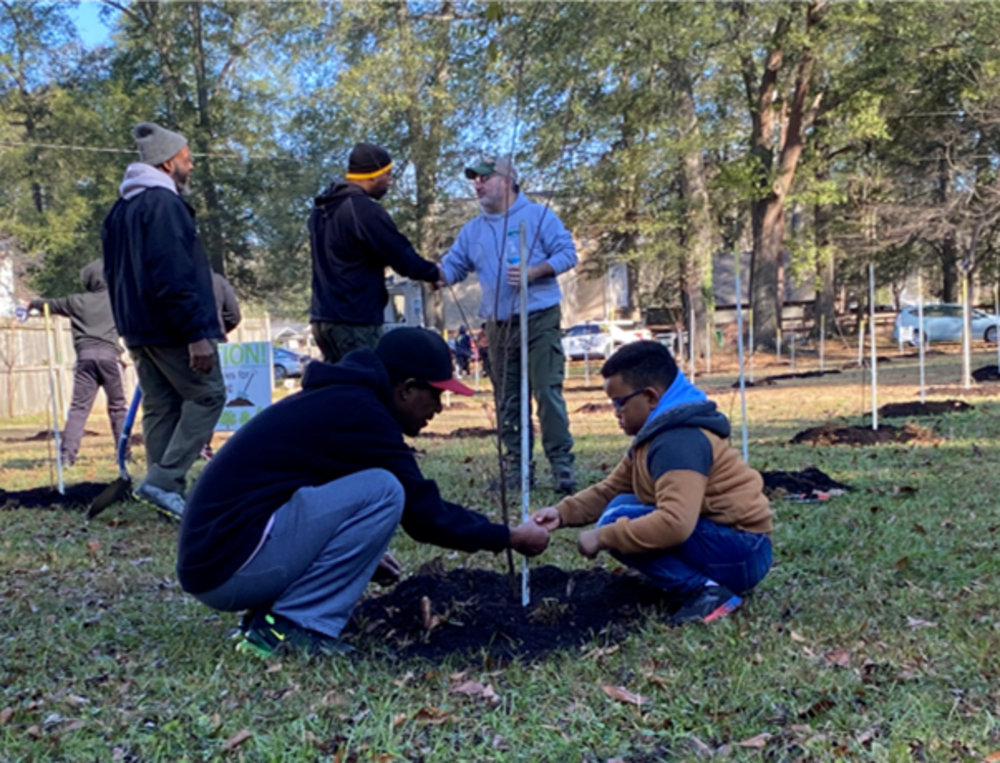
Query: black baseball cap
421	354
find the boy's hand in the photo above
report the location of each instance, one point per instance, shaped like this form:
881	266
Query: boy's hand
529	538
388	571
589	543
548	518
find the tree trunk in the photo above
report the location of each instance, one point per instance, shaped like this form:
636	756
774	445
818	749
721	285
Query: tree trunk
211	223
694	190
826	263
948	254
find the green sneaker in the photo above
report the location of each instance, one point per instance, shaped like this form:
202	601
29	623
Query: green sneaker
270	635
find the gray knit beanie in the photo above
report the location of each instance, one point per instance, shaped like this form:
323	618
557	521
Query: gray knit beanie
157	144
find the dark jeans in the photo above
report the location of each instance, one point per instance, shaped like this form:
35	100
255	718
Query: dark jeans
89	374
736	559
546	369
180	408
338	339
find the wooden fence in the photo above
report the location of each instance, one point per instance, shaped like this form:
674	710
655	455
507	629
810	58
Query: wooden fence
24	370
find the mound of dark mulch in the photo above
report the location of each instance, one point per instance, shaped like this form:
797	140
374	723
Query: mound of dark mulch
475	611
808	483
462	433
831	434
986	373
595	408
770	380
76	496
934	408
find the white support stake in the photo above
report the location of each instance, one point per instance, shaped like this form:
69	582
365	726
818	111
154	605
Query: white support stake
871	322
739	346
966	337
822	341
525	413
56	435
996	311
920	333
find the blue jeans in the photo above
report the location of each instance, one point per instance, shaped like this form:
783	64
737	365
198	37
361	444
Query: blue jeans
320	552
736	559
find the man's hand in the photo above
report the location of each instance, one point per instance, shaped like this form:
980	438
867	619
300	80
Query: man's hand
441	282
202	356
388	571
589	543
529	538
548	518
534	273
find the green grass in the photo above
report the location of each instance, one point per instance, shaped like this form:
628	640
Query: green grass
875	637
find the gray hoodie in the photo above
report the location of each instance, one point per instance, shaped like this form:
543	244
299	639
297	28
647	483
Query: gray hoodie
93	325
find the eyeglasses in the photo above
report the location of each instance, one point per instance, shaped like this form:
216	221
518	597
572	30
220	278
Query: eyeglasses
483	178
619	402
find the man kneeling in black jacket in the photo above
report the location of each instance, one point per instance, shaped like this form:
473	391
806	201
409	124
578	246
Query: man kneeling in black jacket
293	516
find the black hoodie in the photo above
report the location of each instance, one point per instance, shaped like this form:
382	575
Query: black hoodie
90	317
353	240
340	423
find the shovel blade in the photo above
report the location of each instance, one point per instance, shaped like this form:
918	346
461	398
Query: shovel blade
113	493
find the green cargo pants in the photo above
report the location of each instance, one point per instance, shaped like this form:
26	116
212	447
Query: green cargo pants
180	408
546	369
338	339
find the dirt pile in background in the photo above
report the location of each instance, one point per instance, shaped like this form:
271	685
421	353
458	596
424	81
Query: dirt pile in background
933	408
831	434
808	483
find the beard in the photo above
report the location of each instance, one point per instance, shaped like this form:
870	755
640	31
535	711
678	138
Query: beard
182	181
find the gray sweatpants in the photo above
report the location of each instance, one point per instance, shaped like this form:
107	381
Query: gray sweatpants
320	553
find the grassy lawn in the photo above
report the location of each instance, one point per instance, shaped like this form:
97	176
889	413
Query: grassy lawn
876	637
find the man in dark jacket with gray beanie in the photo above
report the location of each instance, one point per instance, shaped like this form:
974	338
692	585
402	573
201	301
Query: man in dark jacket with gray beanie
98	356
353	241
160	284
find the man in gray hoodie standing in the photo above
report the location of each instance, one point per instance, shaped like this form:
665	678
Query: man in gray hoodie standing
98	356
160	284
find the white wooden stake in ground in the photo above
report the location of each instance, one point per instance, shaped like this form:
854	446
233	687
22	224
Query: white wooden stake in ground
52	393
966	338
525	413
739	346
920	333
871	322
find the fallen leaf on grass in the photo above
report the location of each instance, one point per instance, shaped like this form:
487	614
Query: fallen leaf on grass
915	622
34	732
816	708
902	564
993	757
475	689
755	743
93	547
399	719
431	621
798	637
5	715
621	694
273	667
837	658
432	715
236	740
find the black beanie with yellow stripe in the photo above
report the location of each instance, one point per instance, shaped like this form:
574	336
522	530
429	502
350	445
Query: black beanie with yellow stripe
367	161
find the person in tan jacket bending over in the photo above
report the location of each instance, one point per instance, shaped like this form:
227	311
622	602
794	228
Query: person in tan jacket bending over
682	506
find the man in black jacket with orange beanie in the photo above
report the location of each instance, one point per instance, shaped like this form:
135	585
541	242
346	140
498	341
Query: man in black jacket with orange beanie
353	241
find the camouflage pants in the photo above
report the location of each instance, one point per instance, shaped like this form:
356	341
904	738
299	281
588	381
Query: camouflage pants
338	339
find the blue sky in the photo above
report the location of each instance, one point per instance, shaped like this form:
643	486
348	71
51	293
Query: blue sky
86	16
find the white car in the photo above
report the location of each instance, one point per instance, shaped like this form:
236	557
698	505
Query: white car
599	339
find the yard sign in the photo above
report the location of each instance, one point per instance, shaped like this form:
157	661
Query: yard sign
246	367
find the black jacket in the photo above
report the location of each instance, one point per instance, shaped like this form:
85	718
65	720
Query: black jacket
89	314
158	276
227	308
340	423
353	241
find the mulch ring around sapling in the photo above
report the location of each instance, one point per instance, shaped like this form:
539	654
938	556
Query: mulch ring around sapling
78	496
595	408
831	434
806	485
933	408
45	435
474	611
769	381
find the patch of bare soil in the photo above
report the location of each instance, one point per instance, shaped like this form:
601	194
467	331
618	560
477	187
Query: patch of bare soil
770	380
462	433
595	408
45	434
986	374
804	485
832	434
434	614
78	496
933	408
